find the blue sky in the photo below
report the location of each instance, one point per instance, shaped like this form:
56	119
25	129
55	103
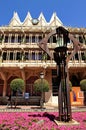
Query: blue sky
70	12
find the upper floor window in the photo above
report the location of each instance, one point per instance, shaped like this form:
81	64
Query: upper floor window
40	56
39	38
19	39
18	57
76	56
6	39
12	39
33	55
33	39
54	39
27	39
26	56
80	39
4	55
11	55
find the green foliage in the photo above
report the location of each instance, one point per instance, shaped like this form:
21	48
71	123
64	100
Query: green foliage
1	38
83	84
41	85
17	84
44	57
84	56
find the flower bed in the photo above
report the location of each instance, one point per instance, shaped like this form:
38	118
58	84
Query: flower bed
38	121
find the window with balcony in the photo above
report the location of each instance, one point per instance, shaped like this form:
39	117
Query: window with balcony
80	39
33	55
33	39
6	39
12	39
26	56
19	39
83	54
27	39
76	56
4	55
11	55
18	56
40	56
54	39
39	38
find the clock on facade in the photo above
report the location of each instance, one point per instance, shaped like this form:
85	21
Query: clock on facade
35	21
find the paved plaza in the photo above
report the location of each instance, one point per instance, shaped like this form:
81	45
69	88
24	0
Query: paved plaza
30	108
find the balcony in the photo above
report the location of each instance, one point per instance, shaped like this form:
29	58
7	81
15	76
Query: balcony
39	63
27	63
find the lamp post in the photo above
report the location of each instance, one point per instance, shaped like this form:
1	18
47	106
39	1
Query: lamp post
41	77
60	57
60	54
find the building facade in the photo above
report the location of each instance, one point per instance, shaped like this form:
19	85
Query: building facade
21	57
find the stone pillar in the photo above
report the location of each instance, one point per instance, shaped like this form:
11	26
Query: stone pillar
16	38
5	83
23	77
4	88
48	95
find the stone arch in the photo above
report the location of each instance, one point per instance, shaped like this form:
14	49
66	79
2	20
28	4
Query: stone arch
75	81
8	83
29	86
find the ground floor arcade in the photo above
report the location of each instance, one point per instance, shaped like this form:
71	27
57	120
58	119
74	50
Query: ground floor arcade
29	75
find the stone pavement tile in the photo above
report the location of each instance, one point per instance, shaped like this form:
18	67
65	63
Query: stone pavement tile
27	108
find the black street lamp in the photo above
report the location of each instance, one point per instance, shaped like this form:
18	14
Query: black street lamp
60	57
41	77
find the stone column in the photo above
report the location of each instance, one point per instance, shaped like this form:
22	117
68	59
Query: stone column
4	88
23	77
5	83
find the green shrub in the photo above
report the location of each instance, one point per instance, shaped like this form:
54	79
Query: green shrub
17	84
83	84
41	85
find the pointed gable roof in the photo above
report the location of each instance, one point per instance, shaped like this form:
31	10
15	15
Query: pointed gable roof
55	21
15	21
42	20
28	20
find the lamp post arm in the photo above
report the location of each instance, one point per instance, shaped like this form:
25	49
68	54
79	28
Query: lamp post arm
70	56
77	44
77	47
43	43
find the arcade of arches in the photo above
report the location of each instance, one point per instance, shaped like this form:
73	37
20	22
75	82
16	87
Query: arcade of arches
29	75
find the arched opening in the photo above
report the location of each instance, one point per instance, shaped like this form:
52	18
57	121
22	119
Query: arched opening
29	86
8	84
74	80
